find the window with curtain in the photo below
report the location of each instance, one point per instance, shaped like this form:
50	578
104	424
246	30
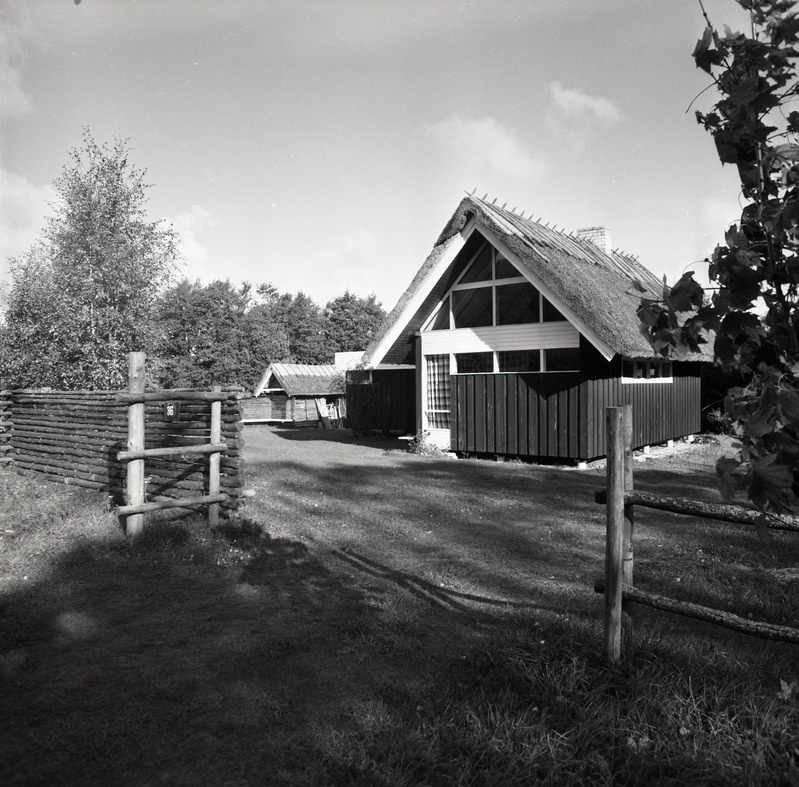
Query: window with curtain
437	391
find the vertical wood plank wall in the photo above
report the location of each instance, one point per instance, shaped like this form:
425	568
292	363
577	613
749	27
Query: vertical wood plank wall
516	414
561	415
388	404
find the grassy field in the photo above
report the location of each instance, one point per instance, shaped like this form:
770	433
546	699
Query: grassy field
383	618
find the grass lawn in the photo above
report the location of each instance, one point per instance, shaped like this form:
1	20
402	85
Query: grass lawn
378	617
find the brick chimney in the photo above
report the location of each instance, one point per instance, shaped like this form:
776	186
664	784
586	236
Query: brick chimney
599	236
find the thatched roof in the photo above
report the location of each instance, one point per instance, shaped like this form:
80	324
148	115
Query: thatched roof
598	292
302	379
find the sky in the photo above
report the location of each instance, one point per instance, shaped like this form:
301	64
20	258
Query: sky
322	145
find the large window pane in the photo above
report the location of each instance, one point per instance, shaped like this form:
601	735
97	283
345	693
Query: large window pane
472	308
480	269
551	314
519	361
562	360
441	321
516	304
438	391
504	268
474	363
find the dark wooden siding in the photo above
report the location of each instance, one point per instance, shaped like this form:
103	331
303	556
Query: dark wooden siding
516	414
661	411
387	404
562	415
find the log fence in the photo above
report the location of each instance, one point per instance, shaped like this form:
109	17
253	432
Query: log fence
76	437
617	585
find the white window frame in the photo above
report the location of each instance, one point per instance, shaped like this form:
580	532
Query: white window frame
493	283
662	362
453	364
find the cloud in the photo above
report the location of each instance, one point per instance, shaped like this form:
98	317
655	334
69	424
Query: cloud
488	146
14	101
188	225
23	211
573	116
575	104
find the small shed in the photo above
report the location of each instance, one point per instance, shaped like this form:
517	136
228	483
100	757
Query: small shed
297	393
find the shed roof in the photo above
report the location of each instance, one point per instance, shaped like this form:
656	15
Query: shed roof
302	379
598	292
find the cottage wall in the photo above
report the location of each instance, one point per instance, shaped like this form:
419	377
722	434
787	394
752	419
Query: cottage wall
561	415
387	403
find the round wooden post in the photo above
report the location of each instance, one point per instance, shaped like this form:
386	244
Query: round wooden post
614	535
214	461
629	525
134	493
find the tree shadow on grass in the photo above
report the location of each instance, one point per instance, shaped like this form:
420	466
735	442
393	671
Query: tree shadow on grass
180	659
468	604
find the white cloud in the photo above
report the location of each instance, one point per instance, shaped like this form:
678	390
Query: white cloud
573	115
188	226
575	104
14	101
487	146
23	210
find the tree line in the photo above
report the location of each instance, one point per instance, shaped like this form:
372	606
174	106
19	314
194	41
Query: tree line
101	281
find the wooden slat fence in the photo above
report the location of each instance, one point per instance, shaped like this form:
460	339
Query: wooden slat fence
617	583
73	437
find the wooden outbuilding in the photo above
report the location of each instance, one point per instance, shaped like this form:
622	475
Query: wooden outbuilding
299	394
514	337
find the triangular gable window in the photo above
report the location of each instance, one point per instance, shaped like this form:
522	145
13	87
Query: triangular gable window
481	267
490	292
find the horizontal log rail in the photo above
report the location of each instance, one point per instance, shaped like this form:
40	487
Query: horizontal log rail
159	505
177	450
178	396
620	499
76	436
725	512
698	612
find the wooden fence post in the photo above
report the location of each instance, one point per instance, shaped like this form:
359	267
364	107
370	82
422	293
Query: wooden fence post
629	526
214	460
614	535
134	494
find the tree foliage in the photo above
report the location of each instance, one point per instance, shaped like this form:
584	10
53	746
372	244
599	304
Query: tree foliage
351	322
99	284
82	297
215	333
752	312
220	333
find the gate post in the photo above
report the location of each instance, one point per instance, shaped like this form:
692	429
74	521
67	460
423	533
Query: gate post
134	493
614	535
629	525
214	460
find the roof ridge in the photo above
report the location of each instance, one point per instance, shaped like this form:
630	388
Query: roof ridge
625	263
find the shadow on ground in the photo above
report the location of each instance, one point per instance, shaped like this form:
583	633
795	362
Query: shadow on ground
354	583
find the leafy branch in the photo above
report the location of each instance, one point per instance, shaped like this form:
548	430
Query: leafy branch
751	316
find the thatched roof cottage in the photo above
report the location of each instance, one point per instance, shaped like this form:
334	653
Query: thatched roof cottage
514	337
